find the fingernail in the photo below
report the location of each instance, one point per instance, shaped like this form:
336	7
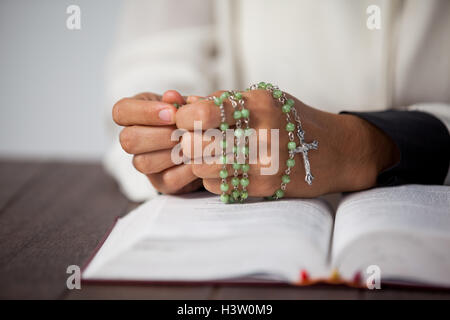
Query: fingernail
165	115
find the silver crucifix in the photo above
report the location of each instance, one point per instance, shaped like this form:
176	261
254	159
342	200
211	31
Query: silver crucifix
304	148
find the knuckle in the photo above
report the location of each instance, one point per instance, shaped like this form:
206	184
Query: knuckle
203	113
261	100
198	170
264	95
156	183
170	182
141	164
186	144
127	138
148	112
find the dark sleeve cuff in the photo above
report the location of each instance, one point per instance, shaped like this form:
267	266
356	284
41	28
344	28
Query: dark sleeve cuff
423	141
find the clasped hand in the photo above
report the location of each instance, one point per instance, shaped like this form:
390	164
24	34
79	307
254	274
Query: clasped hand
352	152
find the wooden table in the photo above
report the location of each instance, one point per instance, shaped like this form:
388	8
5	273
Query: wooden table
54	214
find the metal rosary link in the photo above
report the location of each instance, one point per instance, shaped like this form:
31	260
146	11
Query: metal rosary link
243	114
288	109
224	197
304	147
235	195
291	137
243	142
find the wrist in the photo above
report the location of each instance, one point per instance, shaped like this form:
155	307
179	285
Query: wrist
368	151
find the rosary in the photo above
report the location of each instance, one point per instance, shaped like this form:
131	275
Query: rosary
238	191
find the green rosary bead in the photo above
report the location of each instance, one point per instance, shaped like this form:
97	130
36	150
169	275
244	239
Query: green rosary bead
223	159
245	113
236	194
237	114
277	94
291	145
224	96
223	173
248	132
279	193
224	198
285	178
238	132
224	126
245	167
217	101
290	163
245	182
290	102
290	127
286	108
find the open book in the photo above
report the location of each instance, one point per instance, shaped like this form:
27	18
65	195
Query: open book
405	231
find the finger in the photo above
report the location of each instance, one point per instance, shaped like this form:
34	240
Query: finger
260	186
142	139
206	156
148	96
132	111
196	144
211	170
191	187
192	99
153	162
213	185
172	180
206	112
173	96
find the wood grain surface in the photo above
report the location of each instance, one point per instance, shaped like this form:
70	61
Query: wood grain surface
54	214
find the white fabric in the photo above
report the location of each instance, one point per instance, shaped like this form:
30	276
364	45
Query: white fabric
319	50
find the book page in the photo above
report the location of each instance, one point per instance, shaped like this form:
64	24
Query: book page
404	230
196	237
126	231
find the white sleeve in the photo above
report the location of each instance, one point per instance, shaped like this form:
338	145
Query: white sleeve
440	111
161	45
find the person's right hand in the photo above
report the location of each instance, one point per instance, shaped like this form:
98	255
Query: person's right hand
149	120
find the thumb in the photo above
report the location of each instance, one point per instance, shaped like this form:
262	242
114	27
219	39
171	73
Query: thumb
173	96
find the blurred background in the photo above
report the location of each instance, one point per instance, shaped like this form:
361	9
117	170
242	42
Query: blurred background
56	100
51	79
